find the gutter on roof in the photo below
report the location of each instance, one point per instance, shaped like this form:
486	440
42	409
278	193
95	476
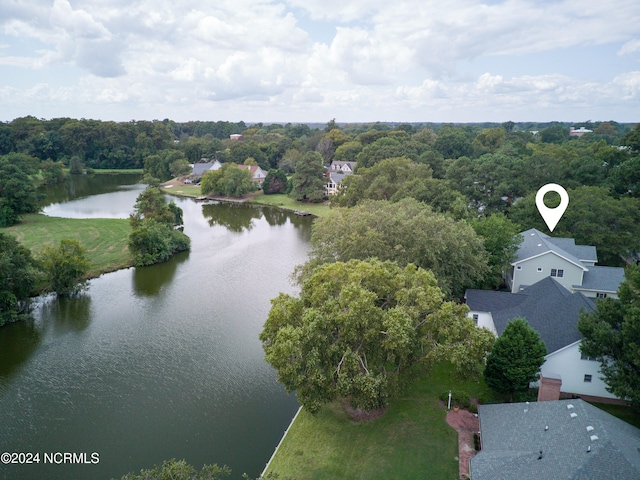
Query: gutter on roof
578	287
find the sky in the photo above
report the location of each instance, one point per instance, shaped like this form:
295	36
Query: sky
314	60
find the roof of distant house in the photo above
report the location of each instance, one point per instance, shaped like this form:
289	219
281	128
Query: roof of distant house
337	176
549	308
535	243
563	439
200	168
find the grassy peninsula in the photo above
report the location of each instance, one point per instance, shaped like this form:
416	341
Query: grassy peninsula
105	239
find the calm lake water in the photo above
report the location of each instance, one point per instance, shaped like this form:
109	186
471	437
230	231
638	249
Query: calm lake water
158	362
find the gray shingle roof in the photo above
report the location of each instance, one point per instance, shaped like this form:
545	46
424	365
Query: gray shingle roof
549	308
535	242
604	279
200	168
512	439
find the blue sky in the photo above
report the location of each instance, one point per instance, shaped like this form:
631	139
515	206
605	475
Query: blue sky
312	60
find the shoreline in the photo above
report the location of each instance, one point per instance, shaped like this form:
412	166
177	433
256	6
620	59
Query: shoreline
258	198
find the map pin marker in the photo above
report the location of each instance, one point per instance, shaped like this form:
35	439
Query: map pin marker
552	216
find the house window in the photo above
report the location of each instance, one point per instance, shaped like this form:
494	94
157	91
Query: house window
601	295
475	318
557	272
587	378
539	269
586	357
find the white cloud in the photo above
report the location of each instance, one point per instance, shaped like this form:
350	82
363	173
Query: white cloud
400	59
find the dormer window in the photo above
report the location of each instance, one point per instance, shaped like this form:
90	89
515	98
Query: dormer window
557	272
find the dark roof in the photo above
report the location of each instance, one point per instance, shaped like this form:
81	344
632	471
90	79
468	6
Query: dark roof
605	279
534	242
337	177
549	308
513	434
200	168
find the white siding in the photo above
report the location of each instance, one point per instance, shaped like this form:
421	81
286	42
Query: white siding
529	274
485	320
567	363
594	293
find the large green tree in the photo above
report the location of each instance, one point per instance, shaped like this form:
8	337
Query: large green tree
501	241
154	238
18	274
358	326
66	266
397	178
612	335
18	194
309	179
230	181
406	232
516	358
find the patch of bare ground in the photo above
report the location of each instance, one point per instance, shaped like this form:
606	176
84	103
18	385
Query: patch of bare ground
358	415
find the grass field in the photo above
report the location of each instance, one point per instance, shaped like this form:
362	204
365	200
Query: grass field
281	200
105	239
183	190
412	440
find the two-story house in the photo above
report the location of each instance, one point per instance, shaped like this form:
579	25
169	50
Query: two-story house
573	266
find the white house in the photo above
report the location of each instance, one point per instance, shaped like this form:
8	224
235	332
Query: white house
257	174
333	183
342	167
573	266
335	173
553	311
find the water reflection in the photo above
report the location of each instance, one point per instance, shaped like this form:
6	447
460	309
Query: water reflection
236	218
148	281
17	343
83	186
69	314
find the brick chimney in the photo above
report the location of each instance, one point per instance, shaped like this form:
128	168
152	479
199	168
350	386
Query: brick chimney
550	384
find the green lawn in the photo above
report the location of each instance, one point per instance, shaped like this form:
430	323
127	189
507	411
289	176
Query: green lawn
281	200
183	190
105	239
412	440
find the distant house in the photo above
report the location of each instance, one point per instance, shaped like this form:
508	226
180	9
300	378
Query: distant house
336	173
333	184
578	132
572	265
559	440
342	167
552	311
199	169
257	174
236	137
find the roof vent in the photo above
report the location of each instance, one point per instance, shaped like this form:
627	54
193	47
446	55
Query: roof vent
589	428
569	406
589	449
546	427
594	438
574	415
539	244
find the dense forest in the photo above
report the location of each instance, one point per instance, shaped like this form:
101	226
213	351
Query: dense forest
465	171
